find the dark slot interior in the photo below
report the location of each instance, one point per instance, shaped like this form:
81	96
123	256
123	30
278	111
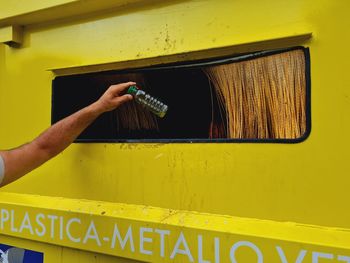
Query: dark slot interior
186	92
194	114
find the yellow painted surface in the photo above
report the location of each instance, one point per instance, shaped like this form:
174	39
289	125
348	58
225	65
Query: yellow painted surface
28	12
154	234
305	183
11	34
20	7
6	34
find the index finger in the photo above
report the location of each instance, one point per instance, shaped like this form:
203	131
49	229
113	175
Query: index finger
118	88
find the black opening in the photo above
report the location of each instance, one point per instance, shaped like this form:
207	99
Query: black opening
185	88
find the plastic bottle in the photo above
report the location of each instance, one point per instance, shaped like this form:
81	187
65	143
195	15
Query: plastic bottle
146	100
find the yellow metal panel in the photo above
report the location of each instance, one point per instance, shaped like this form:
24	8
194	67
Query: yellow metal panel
305	183
11	34
20	7
73	255
33	12
275	43
250	180
163	235
5	34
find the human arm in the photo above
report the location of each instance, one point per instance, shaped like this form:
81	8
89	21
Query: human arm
19	161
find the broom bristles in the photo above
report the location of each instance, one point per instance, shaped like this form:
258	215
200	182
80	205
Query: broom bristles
132	116
264	98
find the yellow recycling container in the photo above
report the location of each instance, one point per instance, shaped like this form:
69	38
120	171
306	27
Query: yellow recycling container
188	198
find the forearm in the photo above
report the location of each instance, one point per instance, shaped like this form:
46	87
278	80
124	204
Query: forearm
47	145
63	133
58	137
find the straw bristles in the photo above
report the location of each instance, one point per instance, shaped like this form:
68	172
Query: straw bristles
132	116
264	98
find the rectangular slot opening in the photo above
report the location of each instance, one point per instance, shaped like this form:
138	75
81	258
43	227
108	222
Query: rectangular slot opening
259	97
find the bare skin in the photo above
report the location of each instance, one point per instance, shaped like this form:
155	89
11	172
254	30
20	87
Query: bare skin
58	137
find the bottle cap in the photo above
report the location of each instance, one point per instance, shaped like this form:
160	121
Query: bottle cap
132	90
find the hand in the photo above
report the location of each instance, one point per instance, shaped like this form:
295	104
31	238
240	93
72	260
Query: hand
113	97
